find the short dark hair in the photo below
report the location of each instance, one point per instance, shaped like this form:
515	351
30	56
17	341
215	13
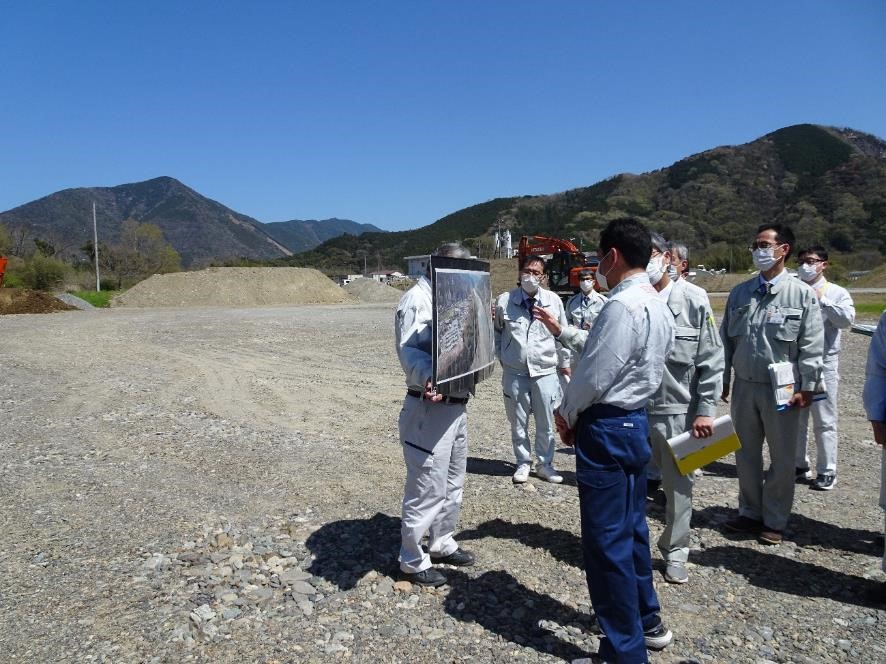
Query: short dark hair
815	249
531	259
659	243
783	235
630	237
585	273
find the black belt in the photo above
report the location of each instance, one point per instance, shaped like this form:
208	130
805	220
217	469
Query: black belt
445	399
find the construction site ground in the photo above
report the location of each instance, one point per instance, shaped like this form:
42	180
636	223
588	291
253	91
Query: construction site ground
224	484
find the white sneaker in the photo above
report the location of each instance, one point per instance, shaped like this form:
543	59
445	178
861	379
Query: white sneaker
548	474
522	473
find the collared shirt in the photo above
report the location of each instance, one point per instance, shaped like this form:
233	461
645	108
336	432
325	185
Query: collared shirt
523	344
665	293
875	375
622	356
413	330
783	325
837	312
581	311
693	376
773	281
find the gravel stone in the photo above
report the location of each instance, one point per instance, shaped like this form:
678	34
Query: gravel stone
206	486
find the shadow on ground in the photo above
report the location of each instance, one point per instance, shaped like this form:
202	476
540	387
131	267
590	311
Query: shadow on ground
346	550
792	577
802	530
562	544
499	603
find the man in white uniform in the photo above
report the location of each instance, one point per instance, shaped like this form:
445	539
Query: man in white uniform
529	358
837	313
434	436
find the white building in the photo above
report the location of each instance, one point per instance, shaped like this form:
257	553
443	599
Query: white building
417	266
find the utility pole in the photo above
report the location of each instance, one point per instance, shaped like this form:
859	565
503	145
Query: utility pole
98	282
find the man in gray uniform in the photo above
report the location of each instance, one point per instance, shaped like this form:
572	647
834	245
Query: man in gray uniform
434	436
584	307
686	400
581	311
679	267
602	414
529	359
769	318
837	313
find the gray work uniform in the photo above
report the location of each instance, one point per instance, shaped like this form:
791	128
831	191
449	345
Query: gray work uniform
529	359
874	397
581	312
691	384
434	437
838	314
766	323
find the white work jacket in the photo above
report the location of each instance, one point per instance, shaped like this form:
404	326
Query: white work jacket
523	344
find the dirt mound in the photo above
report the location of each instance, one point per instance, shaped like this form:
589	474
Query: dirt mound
234	286
369	290
24	301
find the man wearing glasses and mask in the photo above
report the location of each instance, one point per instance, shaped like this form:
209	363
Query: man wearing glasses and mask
837	313
529	359
770	318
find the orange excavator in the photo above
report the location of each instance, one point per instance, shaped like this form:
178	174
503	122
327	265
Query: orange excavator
563	261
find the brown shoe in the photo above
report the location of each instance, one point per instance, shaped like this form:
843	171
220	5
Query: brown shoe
743	524
770	536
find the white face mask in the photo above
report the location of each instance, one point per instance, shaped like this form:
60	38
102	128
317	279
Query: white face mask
764	259
808	273
601	278
673	273
655	269
586	285
529	283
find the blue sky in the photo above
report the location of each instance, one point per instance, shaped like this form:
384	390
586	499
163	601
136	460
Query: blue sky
398	113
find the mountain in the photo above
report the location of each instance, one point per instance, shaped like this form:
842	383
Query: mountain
829	184
200	229
300	235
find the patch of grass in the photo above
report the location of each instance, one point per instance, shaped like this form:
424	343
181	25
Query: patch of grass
96	298
870	308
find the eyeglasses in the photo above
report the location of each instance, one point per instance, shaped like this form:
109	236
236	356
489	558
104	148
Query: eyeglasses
763	245
809	261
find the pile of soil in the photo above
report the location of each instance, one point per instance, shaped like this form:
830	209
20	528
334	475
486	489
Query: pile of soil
24	301
369	290
234	286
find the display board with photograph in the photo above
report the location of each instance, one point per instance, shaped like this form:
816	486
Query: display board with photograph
463	346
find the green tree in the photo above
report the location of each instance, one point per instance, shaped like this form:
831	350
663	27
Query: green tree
43	272
5	240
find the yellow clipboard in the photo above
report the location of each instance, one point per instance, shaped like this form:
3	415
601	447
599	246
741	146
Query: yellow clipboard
691	453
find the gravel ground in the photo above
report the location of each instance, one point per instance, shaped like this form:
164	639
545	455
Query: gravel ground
223	485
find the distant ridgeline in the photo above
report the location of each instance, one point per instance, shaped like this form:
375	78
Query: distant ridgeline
828	184
201	230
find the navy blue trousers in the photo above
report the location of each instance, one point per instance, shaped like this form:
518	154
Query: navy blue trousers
612	451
